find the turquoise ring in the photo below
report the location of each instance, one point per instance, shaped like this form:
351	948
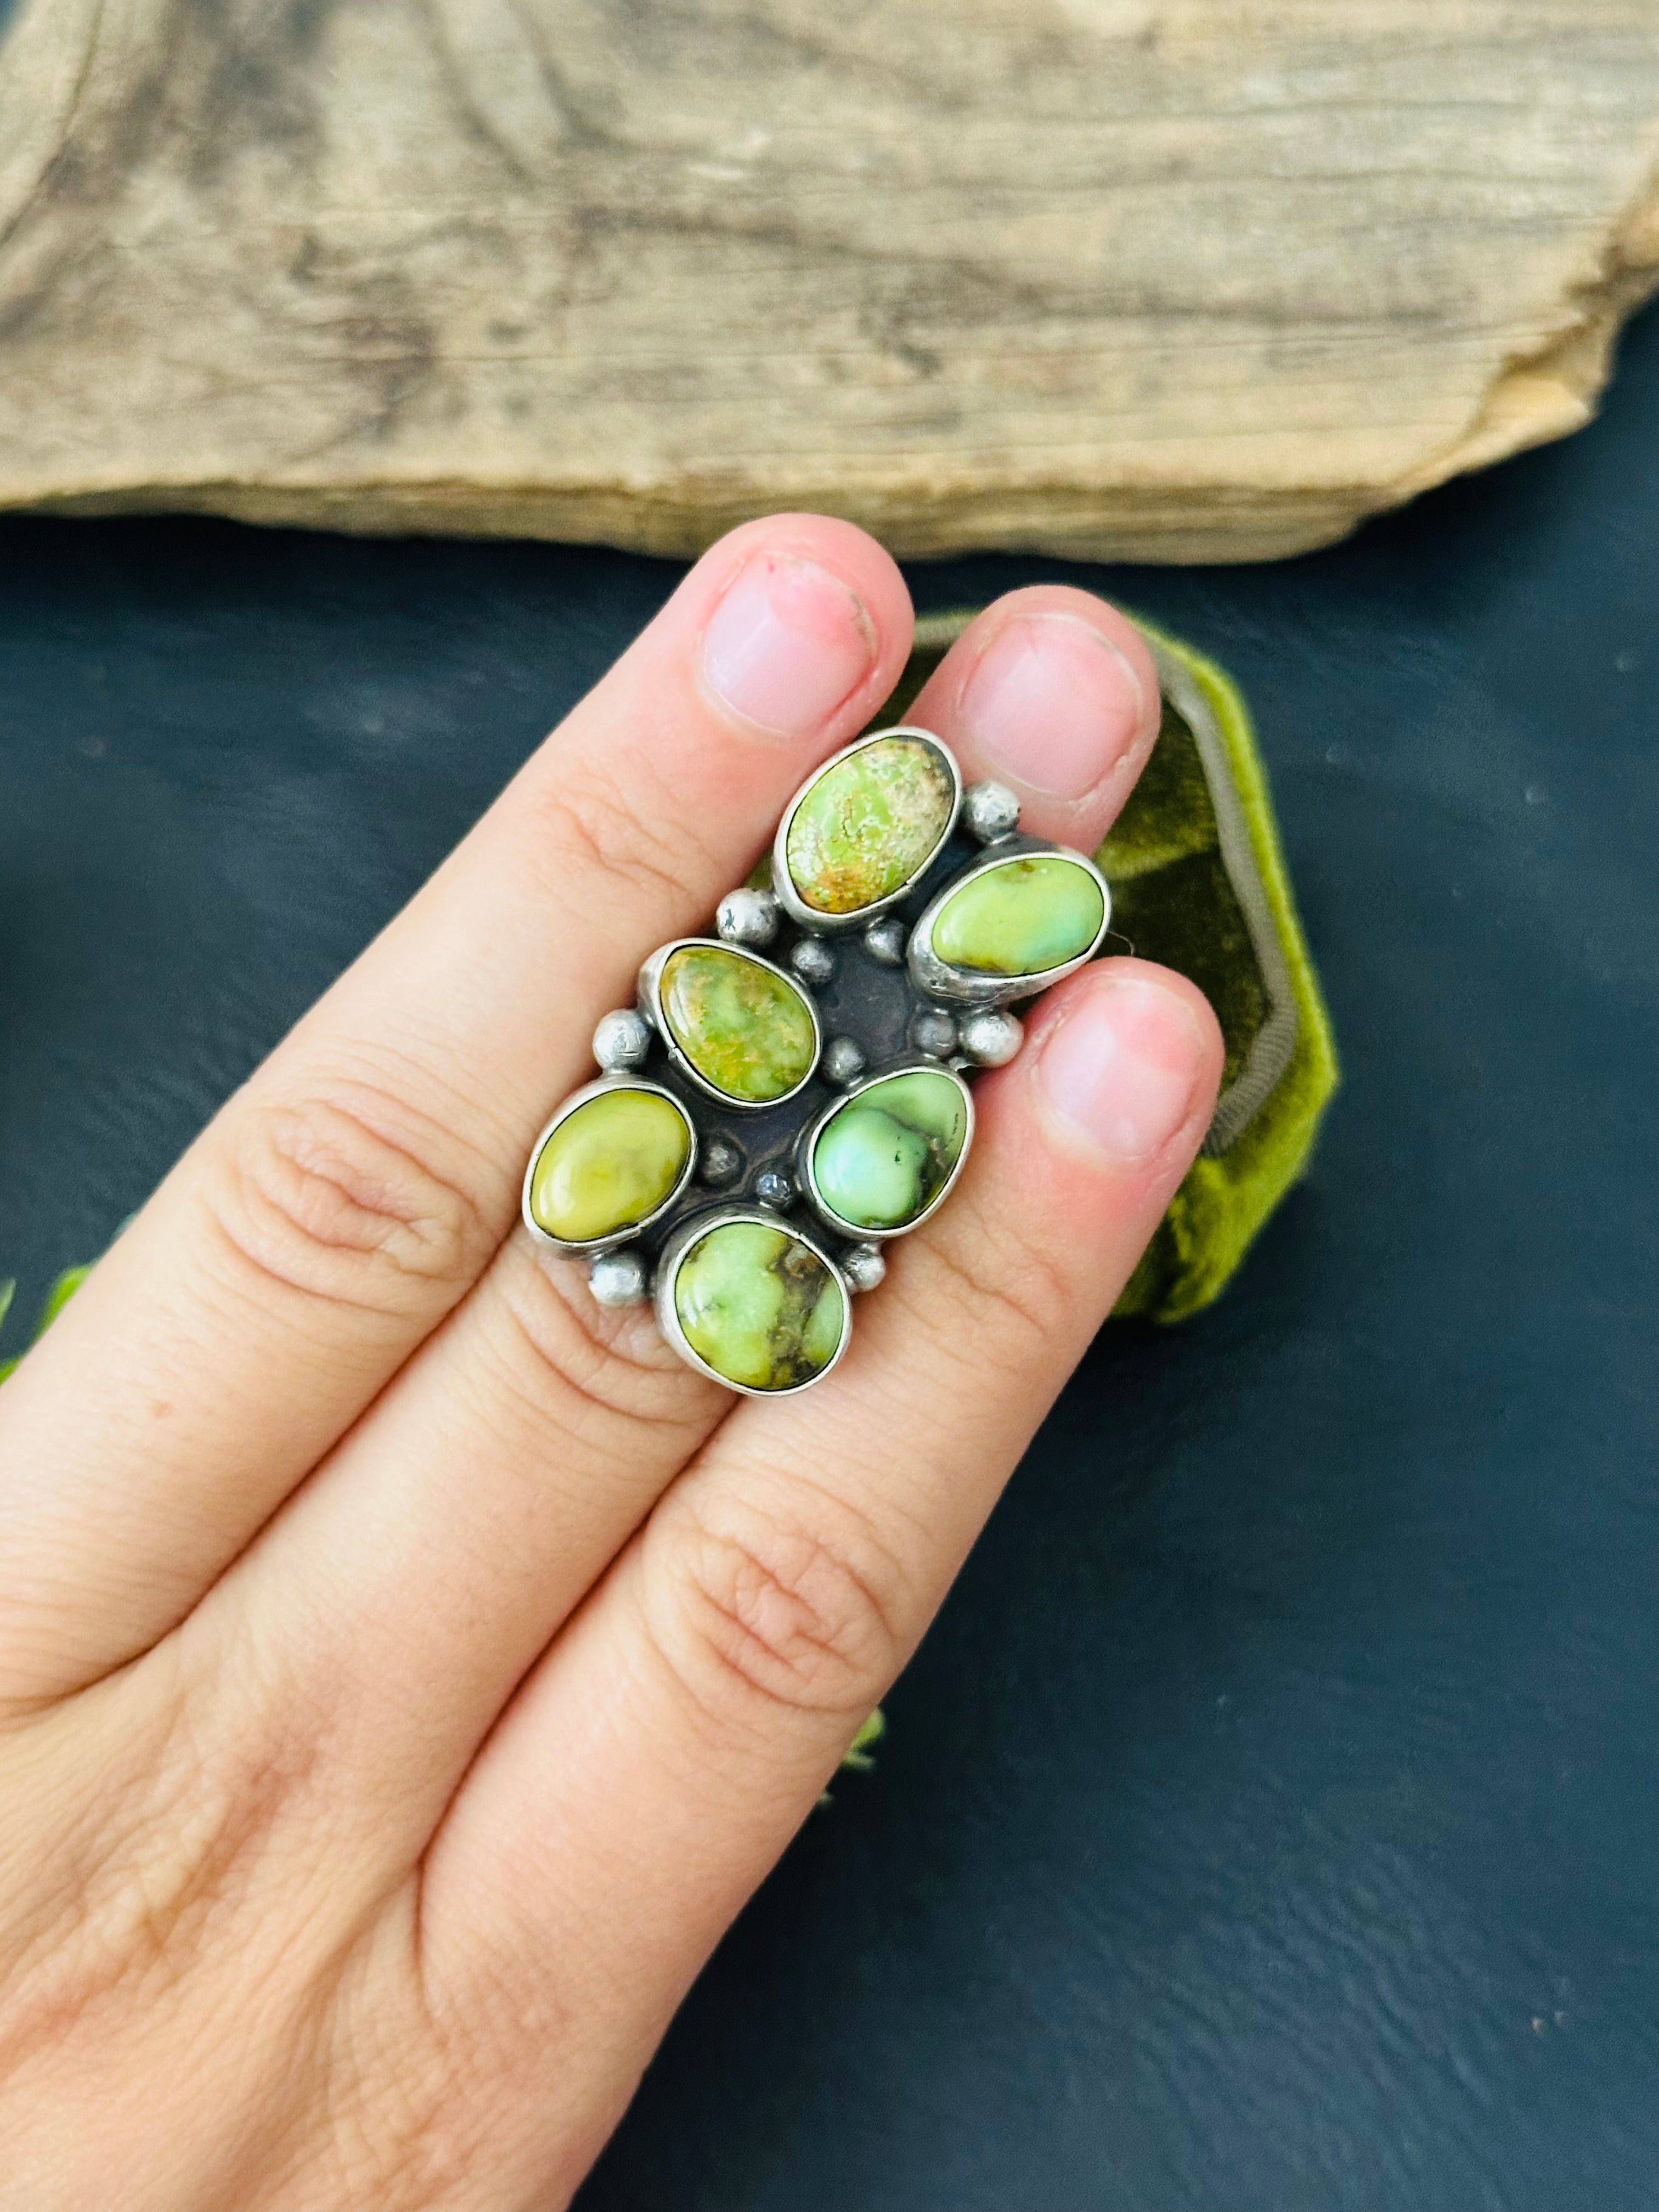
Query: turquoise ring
792	1092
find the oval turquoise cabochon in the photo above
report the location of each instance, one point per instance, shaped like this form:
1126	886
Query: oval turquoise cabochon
866	825
746	1027
1021	916
759	1306
882	1158
608	1163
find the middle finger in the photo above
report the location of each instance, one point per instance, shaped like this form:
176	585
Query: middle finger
465	1517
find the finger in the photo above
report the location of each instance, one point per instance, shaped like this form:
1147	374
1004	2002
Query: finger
676	1734
346	1199
1054	693
415	1579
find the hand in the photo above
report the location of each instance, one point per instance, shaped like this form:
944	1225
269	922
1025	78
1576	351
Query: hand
408	1667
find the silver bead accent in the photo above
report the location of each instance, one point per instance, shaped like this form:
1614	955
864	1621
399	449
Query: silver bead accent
719	1162
884	941
622	1042
775	1187
746	916
864	1267
844	1060
989	811
618	1279
991	1036
933	1032
812	960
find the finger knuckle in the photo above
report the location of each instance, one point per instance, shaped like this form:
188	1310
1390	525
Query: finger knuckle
769	1610
1003	1305
339	1196
574	1364
467	2047
638	838
401	2131
157	1874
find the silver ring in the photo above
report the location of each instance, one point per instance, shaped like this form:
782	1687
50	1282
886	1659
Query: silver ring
751	1220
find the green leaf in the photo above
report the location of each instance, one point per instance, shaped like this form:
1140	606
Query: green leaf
56	1299
857	1754
856	1759
60	1296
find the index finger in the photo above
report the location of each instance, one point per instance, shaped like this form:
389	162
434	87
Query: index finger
346	1199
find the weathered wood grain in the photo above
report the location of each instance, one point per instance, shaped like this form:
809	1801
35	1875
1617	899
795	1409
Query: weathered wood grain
1172	279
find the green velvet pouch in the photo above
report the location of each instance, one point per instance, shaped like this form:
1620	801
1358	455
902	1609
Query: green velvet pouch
1199	882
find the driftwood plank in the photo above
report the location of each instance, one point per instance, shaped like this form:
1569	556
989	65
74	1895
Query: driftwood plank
1172	279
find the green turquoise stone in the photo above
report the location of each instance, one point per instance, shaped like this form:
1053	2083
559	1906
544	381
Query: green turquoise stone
747	1029
608	1165
759	1306
881	1160
869	824
1027	913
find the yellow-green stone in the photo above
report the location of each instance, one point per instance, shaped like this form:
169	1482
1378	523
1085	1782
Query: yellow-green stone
868	824
881	1160
609	1164
1027	913
746	1030
759	1305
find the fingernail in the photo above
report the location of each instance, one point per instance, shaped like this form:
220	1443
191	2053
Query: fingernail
1122	1067
1053	704
786	645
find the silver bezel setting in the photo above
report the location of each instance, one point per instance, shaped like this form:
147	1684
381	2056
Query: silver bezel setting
589	1247
928	1014
692	1231
806	1145
650	1002
969	988
810	917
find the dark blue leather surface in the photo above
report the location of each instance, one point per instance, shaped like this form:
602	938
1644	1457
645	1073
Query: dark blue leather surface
1271	1818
